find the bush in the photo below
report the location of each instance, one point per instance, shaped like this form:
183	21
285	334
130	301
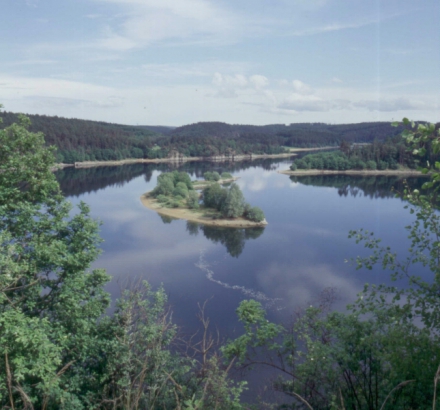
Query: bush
254	214
211	176
193	200
214	196
180	190
162	198
226	175
293	167
371	165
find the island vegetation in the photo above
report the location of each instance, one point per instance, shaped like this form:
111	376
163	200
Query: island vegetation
215	205
60	348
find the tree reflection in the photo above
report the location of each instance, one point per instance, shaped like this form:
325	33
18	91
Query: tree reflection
77	181
372	186
233	239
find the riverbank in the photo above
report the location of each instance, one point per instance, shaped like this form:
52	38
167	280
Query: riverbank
181	159
311	149
203	216
217	158
402	172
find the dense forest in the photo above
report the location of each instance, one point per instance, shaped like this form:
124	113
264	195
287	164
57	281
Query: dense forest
382	155
81	140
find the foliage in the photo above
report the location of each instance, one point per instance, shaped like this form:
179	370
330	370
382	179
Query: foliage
233	205
226	175
193	200
378	155
383	353
173	184
45	285
211	176
254	213
58	349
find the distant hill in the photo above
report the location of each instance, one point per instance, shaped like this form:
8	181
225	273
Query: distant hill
297	134
84	140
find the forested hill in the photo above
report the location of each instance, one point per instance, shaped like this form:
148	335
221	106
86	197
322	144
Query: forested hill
79	140
83	140
297	134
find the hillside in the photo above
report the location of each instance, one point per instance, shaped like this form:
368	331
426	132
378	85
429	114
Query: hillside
83	140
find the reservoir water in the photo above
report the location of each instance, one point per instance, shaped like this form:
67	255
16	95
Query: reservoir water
284	266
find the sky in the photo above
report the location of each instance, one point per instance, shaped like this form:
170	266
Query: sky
176	62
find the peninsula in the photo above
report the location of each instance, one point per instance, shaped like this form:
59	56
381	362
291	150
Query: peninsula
176	196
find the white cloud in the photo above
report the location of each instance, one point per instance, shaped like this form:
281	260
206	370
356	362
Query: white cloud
228	86
299	102
301	88
394	104
151	21
259	81
337	80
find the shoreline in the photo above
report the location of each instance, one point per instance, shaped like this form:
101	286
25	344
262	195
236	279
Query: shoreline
220	158
353	172
181	159
197	215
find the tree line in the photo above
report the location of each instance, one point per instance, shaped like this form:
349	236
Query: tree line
382	155
81	140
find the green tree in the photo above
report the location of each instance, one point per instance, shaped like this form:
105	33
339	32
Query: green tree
45	283
234	203
193	200
214	196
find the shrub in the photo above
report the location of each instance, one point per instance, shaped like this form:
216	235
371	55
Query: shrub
162	198
293	167
254	214
226	175
211	176
180	190
193	200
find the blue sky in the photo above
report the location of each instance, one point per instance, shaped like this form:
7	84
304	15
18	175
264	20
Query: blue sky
175	62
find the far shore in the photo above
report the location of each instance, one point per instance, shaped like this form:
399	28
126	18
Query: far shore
90	164
402	172
182	159
197	215
312	149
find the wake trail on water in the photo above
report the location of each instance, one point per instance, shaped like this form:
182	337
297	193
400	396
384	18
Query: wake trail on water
268	303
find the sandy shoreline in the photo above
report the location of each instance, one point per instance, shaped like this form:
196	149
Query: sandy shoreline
197	215
402	172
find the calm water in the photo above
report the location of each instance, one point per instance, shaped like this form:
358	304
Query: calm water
285	265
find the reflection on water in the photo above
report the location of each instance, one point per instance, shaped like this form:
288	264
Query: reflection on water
373	186
301	252
267	302
75	182
233	239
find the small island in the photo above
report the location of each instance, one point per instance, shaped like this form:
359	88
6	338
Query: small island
176	196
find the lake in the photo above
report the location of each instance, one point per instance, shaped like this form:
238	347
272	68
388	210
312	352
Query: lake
284	266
